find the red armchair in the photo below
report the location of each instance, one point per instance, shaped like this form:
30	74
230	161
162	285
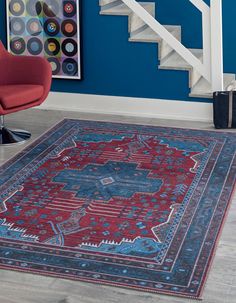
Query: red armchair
24	82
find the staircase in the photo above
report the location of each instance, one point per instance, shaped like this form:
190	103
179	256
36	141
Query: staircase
169	58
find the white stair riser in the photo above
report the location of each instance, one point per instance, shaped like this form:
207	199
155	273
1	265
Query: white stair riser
164	49
194	77
135	22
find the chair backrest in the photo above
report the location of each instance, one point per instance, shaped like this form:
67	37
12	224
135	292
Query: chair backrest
3	63
3	51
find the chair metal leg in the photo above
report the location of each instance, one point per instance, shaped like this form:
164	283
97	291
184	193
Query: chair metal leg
8	137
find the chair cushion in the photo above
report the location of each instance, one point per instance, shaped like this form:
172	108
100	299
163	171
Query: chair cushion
12	96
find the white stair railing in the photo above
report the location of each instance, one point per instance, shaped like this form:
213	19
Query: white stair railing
211	68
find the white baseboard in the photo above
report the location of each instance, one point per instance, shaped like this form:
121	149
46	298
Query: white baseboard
139	107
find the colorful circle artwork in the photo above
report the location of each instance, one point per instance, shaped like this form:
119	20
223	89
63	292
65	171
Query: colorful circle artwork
52	47
17	7
70	67
69	8
34	27
34	46
49	29
69	28
69	47
51	8
17	26
17	45
55	64
34	7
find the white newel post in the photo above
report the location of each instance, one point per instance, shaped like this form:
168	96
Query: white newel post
216	45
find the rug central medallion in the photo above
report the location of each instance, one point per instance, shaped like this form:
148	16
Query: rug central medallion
102	182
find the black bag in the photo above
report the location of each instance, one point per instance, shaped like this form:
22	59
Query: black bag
224	107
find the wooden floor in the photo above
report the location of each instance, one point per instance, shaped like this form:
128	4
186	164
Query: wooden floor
28	288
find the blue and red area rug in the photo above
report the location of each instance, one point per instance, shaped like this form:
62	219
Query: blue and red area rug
125	205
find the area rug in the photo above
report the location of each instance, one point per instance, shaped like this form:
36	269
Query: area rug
124	205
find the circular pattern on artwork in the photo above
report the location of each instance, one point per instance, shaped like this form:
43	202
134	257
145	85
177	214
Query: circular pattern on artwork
34	7
52	47
34	46
69	8
51	8
17	45
34	27
51	27
17	7
69	28
17	26
70	67
69	47
55	64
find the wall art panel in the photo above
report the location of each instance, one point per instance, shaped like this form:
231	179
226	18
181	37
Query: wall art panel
48	28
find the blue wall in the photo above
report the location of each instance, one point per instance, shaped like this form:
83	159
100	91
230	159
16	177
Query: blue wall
114	66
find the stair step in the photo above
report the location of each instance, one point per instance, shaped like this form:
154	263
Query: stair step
175	62
106	2
148	35
121	9
202	88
